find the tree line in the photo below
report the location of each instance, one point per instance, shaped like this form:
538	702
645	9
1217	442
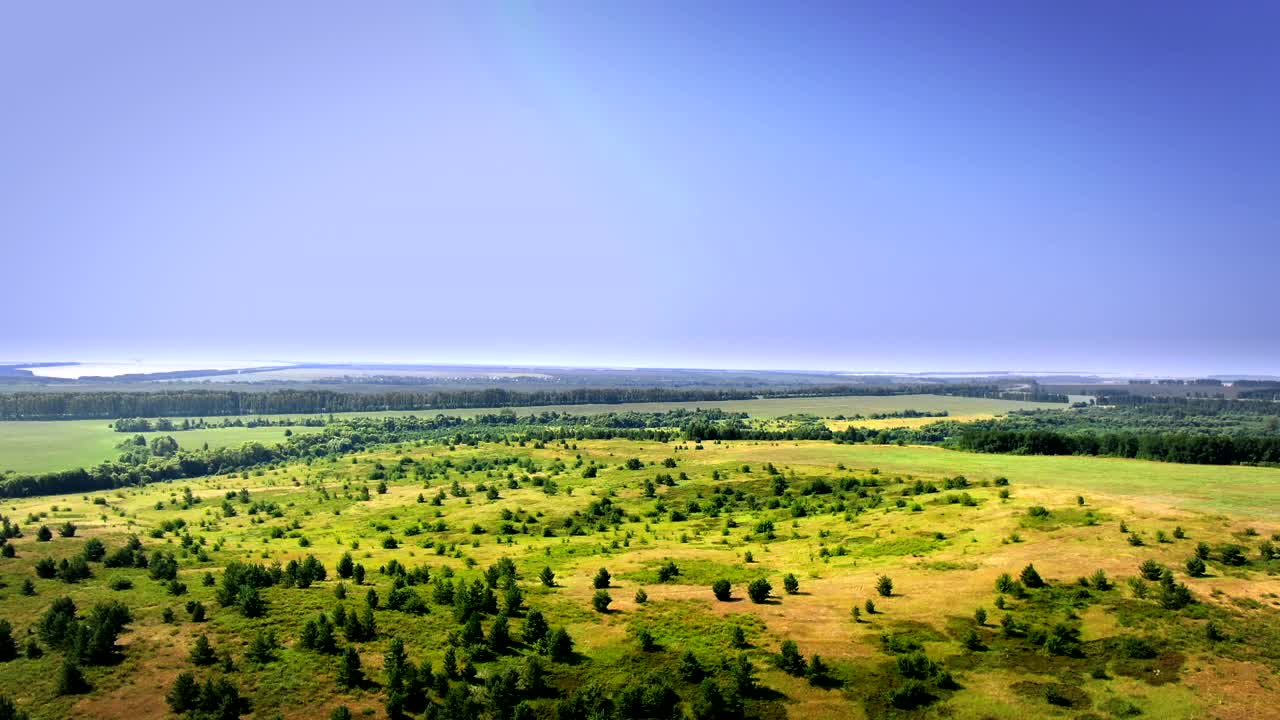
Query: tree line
1167	447
198	403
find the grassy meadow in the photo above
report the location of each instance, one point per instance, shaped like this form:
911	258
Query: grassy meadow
838	517
45	446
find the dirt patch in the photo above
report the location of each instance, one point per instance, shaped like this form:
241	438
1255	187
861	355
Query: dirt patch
1236	690
1163	669
1060	694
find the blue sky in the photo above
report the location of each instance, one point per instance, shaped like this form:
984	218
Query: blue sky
846	186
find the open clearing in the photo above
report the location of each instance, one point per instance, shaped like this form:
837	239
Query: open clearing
943	550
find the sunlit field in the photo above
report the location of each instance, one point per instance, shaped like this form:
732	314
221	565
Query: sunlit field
836	517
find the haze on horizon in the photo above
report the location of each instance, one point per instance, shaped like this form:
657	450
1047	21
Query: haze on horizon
887	188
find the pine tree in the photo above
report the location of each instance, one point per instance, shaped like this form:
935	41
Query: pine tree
349	673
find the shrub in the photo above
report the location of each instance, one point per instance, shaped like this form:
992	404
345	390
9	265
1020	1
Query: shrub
1139	587
1195	566
602	579
1004	583
910	694
547	577
1099	580
980	616
350	674
645	640
721	589
642	597
1267	551
71	679
1136	648
1233	555
759	590
1030	577
791	584
1150	569
690	669
557	645
884	586
202	652
668	572
790	660
263	648
600	601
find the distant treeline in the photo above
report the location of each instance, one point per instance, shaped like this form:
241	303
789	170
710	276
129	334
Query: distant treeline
1261	393
1245	399
192	403
1166	447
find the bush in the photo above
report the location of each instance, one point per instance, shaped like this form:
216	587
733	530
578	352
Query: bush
601	600
1233	555
557	645
1136	648
884	586
668	572
1030	577
642	597
790	660
1099	580
791	584
602	579
121	583
350	674
1196	567
1150	569
71	679
759	590
645	640
910	694
722	590
202	652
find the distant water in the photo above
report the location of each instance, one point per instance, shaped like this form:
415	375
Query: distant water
111	369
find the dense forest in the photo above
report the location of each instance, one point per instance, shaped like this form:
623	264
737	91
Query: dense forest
199	403
1172	429
1173	415
1167	447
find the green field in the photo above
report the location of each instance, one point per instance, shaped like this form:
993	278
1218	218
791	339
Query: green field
35	447
1117	654
44	446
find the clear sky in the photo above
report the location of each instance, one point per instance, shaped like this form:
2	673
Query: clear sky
873	186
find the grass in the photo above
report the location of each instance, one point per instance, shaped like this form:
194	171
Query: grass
45	446
938	581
